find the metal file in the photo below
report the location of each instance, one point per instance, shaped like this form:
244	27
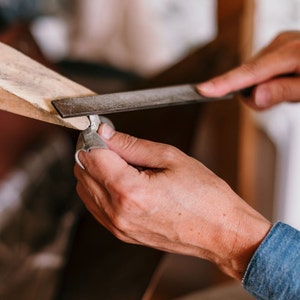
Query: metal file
130	101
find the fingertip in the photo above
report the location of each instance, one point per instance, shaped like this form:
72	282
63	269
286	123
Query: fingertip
206	88
217	87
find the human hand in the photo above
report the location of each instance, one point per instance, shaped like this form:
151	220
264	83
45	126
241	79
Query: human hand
269	71
171	202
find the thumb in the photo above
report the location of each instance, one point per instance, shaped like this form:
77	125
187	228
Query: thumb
134	151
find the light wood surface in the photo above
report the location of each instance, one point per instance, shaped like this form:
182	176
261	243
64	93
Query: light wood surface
27	88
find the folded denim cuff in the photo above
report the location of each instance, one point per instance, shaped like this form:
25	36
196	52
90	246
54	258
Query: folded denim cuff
274	270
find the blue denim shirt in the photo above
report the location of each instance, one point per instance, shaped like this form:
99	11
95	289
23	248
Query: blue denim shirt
274	270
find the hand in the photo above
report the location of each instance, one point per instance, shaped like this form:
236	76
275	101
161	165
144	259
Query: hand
268	71
171	202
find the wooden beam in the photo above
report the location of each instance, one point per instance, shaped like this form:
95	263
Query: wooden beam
248	133
27	88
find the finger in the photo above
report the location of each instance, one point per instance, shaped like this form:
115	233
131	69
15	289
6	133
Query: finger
99	212
92	193
260	69
91	206
97	194
99	204
277	91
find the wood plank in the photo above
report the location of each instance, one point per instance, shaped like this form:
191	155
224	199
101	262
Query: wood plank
27	88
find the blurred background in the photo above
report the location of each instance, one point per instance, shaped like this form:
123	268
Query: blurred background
50	246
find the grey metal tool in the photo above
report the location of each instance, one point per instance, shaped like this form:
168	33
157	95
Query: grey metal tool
130	101
89	138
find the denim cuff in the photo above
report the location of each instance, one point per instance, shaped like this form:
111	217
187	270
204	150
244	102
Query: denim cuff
274	270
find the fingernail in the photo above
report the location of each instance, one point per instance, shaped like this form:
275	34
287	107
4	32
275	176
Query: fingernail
106	131
262	97
206	87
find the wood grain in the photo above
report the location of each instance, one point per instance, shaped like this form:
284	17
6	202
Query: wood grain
27	88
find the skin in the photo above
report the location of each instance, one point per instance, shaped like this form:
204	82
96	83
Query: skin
274	71
155	195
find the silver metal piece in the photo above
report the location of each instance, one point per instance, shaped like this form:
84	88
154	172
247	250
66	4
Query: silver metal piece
89	138
129	101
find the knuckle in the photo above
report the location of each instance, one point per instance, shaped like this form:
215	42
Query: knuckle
123	211
129	142
250	69
282	37
170	154
121	188
288	43
121	222
128	209
286	37
283	91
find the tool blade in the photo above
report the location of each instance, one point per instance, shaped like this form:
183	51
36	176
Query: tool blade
130	101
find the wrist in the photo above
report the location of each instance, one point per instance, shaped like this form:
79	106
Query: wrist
245	237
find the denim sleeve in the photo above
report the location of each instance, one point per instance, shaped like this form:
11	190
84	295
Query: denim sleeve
274	270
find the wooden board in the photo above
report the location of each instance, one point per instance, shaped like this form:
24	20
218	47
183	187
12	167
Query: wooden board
27	88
